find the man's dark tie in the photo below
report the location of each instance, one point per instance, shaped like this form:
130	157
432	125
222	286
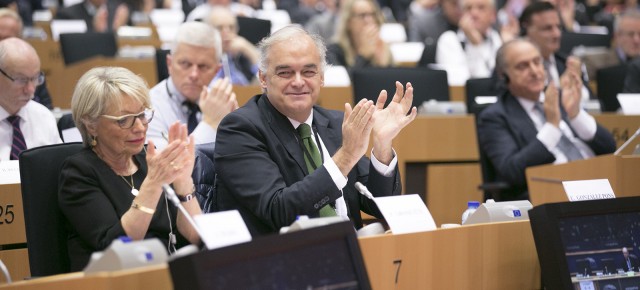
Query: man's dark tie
192	111
565	145
316	160
18	144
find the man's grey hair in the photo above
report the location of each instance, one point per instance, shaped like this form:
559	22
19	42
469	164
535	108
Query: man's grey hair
628	14
287	33
198	34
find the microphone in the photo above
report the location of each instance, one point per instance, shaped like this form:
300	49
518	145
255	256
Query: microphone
628	142
173	197
363	190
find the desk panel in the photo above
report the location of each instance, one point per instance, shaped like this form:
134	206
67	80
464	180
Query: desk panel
486	256
11	215
17	262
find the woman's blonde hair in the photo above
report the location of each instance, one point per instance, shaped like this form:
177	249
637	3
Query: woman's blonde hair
343	35
101	88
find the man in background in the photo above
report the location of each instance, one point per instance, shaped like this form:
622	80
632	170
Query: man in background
184	95
24	123
626	48
239	56
534	124
11	26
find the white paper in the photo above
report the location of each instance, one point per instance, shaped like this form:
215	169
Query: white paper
588	189
630	103
406	213
71	135
587	285
9	172
60	26
221	229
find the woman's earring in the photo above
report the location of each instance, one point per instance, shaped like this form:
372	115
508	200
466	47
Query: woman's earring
94	142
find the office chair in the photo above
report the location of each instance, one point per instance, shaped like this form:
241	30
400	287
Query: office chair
490	186
610	84
253	29
65	122
480	87
569	40
44	222
80	46
427	83
204	176
428	54
161	63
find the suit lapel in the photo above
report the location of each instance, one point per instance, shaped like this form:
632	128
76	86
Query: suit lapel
285	132
330	137
519	121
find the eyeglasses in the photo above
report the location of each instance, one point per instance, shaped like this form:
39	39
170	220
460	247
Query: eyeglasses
127	121
364	15
21	81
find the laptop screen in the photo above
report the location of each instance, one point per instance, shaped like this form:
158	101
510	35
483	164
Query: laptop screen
589	244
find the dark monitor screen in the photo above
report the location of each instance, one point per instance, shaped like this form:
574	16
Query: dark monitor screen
326	257
581	244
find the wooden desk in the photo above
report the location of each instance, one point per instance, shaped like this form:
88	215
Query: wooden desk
62	82
13	240
487	256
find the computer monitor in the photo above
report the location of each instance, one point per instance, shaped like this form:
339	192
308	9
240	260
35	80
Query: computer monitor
326	257
581	243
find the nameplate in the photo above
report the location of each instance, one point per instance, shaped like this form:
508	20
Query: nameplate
405	213
9	172
580	190
630	103
221	229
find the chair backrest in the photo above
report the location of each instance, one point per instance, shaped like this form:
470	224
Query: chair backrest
480	87
79	46
161	63
204	176
569	40
427	83
610	84
253	29
44	222
428	54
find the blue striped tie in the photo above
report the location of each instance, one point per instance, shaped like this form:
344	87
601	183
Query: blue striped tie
18	144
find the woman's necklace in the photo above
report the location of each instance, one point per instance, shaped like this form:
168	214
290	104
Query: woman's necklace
134	191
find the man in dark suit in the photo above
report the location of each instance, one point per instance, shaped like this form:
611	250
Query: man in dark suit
632	78
279	156
100	15
541	24
629	261
531	125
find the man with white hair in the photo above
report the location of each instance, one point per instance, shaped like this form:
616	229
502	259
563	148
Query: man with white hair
281	156
184	95
24	123
470	51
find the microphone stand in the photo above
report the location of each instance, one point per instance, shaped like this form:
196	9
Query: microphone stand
173	197
628	142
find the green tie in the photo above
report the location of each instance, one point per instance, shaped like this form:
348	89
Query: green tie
305	132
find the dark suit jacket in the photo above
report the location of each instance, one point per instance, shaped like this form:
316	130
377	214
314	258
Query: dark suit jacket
632	79
261	170
507	137
79	11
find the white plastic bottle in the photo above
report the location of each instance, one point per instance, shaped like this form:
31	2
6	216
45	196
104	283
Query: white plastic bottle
471	208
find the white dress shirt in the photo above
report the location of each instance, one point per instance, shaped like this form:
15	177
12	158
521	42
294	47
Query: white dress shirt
335	173
38	126
167	103
583	124
474	61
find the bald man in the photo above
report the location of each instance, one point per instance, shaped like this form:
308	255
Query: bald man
24	123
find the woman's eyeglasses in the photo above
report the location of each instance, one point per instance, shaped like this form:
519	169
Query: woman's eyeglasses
127	121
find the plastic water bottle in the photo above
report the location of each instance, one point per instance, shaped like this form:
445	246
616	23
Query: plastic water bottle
471	208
